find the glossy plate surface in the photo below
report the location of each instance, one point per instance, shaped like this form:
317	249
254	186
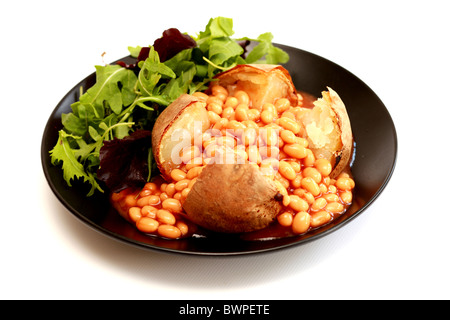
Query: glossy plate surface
375	158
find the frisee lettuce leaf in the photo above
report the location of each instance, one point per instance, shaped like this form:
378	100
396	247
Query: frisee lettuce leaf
127	98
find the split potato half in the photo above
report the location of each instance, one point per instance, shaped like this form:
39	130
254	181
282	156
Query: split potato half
328	130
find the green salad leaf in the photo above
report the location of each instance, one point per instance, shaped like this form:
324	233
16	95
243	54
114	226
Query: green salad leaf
129	98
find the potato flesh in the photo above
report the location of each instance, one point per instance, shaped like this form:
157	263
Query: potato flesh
183	131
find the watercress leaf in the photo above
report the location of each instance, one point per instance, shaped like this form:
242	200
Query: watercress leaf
94	134
134	51
276	55
151	72
176	87
72	169
73	124
223	49
113	84
258	52
177	63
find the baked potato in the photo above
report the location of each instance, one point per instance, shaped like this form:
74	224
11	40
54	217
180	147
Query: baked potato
236	198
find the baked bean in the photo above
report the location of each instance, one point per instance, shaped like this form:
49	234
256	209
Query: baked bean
289	124
270	107
145	193
178	174
295	150
319	204
150	186
309	159
242	97
170	189
310	185
309	197
172	205
285	219
149	211
218	89
235	125
320	218
297	182
334	207
231	102
130	200
147	225
222	123
301	222
313	173
323	166
345	183
331	197
282	105
214	100
228	113
183	227
215	107
298	204
185	193
241	113
296	166
286	200
323	188
253	115
213	117
332	189
134	213
288	136
284	181
288	114
168	231
347	196
182	184
163	196
286	170
267	116
193	173
165	216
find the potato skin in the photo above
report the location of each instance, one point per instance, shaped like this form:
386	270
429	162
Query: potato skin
260	81
232	198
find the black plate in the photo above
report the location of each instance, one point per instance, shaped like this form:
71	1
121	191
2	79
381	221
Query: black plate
376	151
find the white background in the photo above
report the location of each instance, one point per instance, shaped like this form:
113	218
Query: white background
398	249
